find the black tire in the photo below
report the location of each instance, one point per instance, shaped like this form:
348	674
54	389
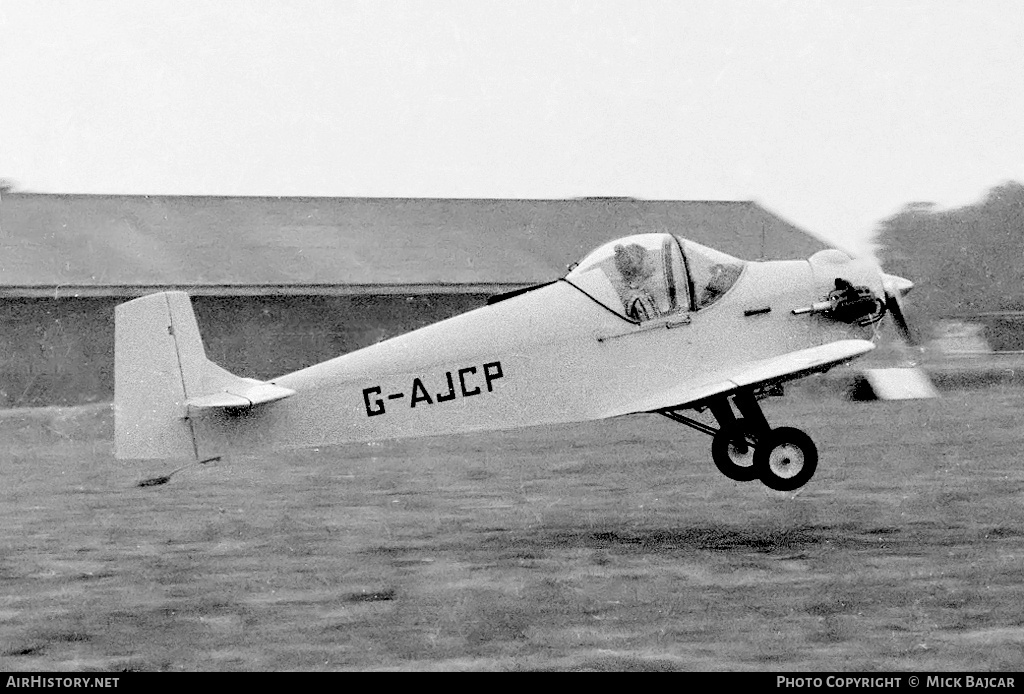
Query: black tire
728	459
785	459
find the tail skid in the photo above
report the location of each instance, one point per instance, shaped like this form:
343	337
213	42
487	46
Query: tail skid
161	373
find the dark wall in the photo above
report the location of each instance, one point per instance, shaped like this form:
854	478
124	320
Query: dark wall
61	351
1004	333
55	351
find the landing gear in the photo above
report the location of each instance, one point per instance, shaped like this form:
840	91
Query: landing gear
785	459
746	448
733	452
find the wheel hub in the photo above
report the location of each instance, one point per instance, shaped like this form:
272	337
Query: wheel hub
741	454
786	461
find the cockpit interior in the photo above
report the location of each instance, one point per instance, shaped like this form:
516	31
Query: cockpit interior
646	276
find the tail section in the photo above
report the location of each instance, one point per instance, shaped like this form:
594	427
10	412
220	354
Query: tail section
158	356
162	379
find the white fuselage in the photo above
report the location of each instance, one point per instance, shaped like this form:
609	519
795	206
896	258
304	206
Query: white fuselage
551	355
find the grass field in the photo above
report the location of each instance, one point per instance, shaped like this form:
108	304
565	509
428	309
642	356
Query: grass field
608	546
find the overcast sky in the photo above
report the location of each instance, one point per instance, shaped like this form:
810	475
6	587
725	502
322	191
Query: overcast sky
832	114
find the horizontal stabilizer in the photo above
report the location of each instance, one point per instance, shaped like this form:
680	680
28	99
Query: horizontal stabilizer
162	378
246	392
905	383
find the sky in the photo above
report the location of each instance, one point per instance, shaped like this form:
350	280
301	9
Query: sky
833	115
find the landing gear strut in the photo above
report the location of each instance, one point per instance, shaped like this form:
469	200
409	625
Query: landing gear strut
747	448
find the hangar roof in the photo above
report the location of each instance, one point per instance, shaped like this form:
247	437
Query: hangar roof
104	241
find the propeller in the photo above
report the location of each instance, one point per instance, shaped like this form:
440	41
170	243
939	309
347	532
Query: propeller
894	382
896	288
893	286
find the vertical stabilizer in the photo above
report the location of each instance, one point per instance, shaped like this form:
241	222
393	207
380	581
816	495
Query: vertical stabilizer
159	361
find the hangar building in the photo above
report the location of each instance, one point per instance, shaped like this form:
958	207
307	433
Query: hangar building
282	283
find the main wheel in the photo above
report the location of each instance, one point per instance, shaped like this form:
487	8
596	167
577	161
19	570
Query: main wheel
785	459
733	455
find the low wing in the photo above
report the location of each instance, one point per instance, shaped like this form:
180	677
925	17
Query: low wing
763	371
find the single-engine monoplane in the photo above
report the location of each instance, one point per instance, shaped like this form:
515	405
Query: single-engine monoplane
649	323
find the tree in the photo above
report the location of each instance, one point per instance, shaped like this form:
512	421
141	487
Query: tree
963	261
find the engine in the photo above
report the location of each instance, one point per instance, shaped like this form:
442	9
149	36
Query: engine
849	304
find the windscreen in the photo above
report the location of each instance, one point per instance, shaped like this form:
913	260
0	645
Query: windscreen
640	277
712	273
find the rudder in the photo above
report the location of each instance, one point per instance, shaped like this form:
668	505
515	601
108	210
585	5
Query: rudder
159	361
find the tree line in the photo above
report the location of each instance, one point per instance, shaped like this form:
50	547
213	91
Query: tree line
963	261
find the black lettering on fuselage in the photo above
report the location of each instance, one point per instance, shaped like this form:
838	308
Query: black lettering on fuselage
450	395
492	371
378	405
462	381
419	393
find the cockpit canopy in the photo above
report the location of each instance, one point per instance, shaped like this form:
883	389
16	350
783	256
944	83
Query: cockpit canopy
645	276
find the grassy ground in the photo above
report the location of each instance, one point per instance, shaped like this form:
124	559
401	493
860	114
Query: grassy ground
610	546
